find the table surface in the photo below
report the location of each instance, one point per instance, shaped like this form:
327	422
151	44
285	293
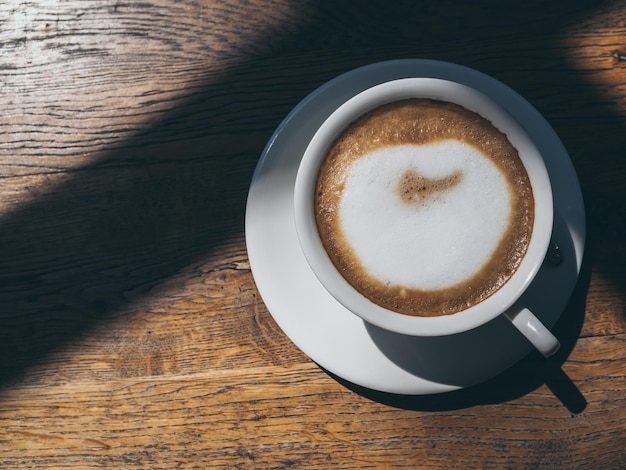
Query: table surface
132	334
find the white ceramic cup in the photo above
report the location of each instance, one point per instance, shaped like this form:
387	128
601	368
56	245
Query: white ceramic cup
505	300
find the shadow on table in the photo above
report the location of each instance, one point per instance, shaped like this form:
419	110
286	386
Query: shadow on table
107	235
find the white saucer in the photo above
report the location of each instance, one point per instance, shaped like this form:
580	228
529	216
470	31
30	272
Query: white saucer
338	340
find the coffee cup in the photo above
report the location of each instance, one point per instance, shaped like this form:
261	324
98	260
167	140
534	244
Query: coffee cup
424	208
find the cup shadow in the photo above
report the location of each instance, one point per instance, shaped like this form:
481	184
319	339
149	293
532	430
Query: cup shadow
527	375
474	361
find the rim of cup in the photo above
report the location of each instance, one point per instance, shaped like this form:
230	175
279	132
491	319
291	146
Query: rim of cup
334	282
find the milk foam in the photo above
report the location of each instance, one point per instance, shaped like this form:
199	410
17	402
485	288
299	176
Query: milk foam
433	242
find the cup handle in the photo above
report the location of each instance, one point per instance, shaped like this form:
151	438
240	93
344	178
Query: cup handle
534	331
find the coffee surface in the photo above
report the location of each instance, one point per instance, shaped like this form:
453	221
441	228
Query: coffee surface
424	207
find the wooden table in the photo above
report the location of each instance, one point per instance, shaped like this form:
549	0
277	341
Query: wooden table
131	331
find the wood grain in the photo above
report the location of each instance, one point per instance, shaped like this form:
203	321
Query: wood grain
131	331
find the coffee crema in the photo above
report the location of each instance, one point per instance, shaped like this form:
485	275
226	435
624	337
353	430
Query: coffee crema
424	207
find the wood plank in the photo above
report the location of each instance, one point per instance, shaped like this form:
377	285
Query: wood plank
240	414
